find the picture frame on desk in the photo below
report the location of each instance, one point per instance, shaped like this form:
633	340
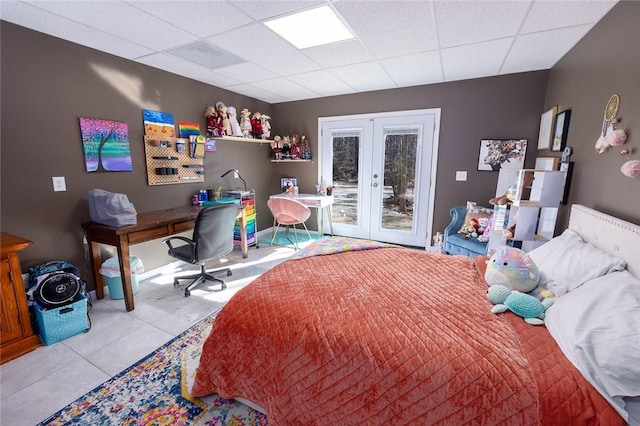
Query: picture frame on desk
566	167
288	182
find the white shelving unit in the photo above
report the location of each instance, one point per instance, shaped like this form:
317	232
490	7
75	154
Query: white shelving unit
533	208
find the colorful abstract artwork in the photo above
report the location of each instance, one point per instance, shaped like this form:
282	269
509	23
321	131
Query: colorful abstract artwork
158	123
187	129
106	145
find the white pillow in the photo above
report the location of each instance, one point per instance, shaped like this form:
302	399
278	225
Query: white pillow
597	327
569	260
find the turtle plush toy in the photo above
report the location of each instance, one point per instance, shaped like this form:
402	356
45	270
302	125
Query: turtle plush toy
524	305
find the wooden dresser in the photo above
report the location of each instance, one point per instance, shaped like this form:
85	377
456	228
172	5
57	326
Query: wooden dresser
16	335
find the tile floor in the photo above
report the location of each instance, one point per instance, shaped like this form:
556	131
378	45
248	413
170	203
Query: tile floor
41	382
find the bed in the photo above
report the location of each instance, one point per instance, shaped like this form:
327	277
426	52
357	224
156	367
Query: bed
375	334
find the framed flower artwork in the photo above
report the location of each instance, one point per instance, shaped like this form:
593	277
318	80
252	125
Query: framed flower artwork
498	153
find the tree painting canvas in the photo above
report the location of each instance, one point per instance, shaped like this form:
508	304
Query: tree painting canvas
106	145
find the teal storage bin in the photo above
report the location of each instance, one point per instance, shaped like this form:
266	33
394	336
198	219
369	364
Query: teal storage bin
61	323
110	271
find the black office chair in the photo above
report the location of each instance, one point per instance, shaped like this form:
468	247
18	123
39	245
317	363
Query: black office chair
212	239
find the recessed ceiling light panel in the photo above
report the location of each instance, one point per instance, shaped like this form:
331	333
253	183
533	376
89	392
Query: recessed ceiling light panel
313	27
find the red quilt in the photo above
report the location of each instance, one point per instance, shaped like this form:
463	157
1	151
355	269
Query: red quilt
389	336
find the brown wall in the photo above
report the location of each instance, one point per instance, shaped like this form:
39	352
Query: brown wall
606	61
499	107
47	83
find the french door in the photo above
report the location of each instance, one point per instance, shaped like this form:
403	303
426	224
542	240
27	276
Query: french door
382	168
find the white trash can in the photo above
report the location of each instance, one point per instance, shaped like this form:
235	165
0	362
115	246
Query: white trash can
110	271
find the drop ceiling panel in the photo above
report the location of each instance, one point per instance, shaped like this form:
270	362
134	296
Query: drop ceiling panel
464	22
541	50
423	68
202	18
285	88
557	14
397	43
322	82
57	26
259	44
247	72
486	58
338	54
391	28
256	92
181	67
263	9
121	19
364	77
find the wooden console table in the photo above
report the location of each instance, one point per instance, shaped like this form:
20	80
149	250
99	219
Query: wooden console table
150	226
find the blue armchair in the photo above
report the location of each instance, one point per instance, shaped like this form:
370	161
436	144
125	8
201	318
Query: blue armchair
455	243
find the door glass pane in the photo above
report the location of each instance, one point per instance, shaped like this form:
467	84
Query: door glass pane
346	146
400	153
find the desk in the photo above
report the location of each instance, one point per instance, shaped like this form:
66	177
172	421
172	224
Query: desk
150	226
321	203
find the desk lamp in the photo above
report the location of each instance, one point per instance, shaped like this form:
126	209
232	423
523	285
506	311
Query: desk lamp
235	175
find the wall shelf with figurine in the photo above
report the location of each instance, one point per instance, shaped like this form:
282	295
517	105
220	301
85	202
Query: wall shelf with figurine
285	160
240	139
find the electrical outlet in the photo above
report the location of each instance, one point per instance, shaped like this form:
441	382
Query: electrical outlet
59	184
461	176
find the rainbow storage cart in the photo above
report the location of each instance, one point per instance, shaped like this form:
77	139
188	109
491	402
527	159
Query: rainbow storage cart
247	198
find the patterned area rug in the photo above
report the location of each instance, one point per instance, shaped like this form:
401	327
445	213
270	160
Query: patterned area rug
155	391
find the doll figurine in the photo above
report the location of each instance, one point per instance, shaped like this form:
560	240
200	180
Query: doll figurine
233	119
222	110
245	122
276	147
212	116
256	125
305	151
266	126
286	146
294	152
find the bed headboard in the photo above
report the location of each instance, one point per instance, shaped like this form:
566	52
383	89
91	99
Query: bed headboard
609	234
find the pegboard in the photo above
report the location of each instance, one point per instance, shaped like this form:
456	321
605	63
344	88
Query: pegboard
180	166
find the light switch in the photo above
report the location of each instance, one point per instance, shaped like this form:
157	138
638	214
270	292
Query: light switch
461	176
59	184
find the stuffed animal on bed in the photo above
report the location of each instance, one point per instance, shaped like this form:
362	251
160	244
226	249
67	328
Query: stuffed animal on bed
549	289
512	268
524	305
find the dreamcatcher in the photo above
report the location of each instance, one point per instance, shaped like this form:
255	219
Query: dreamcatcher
611	135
